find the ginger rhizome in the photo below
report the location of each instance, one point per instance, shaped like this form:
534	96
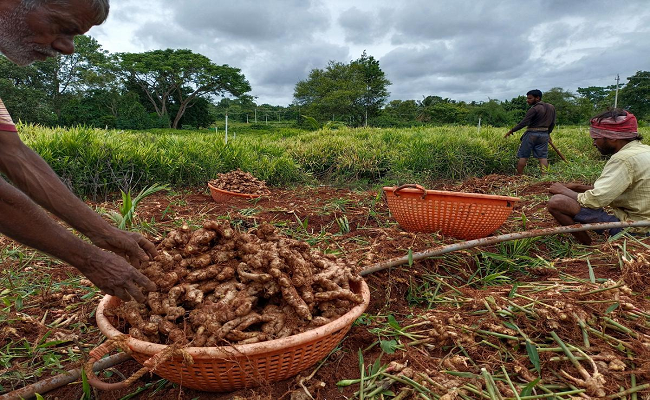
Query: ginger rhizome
218	286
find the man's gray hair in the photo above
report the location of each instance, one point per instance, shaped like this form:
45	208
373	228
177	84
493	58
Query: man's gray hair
100	7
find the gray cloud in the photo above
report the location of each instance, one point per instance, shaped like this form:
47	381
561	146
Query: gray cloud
465	50
278	77
260	21
362	27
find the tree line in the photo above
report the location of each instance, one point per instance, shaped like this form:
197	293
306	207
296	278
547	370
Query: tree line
179	88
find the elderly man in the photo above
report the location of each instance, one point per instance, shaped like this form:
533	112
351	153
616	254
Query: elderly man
540	121
32	30
624	184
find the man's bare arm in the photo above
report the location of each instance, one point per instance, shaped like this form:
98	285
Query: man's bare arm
578	187
27	223
34	177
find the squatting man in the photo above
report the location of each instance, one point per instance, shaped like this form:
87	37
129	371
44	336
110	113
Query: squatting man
32	30
624	184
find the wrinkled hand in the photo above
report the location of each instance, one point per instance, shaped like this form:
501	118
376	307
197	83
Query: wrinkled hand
130	245
558	188
573	186
115	276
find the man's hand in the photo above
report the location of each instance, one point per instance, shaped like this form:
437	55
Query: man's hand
507	134
130	245
24	221
578	187
115	276
558	188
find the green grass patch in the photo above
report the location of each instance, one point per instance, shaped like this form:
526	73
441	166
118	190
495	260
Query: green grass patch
96	162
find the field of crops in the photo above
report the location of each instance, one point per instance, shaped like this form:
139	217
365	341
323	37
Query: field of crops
534	318
96	162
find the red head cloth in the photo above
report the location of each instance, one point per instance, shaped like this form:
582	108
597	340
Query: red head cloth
621	127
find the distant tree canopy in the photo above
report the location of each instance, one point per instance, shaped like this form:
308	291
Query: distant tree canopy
568	107
635	96
176	88
179	76
350	93
161	88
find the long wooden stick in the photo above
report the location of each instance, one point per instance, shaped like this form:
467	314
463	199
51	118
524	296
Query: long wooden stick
556	150
54	382
498	239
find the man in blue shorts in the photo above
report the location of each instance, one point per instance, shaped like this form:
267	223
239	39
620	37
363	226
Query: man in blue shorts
624	184
540	120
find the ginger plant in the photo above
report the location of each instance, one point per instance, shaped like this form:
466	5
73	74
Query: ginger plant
124	219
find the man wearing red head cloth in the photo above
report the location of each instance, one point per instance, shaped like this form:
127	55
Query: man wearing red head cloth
624	184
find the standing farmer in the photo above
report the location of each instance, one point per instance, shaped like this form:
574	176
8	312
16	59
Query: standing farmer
540	120
32	30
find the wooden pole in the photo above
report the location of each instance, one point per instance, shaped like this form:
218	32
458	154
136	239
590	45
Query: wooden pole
556	149
497	239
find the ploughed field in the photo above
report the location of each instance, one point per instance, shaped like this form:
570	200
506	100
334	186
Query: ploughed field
538	317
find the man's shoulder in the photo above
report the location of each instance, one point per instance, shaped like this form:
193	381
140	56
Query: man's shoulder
635	146
635	150
546	105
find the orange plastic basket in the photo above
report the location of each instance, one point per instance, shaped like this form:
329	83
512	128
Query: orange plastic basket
460	215
228	368
220	195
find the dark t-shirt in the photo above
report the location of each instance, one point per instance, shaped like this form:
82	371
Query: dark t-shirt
540	115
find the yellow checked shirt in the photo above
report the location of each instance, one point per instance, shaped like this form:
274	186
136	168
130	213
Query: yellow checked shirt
624	185
6	123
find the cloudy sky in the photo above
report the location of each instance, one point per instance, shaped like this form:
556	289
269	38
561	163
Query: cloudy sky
464	50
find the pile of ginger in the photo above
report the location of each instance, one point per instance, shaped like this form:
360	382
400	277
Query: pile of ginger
238	181
218	286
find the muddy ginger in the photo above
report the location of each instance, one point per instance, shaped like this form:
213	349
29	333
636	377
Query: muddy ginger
177	238
219	286
239	181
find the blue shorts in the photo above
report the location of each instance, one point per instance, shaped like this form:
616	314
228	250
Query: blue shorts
591	216
534	142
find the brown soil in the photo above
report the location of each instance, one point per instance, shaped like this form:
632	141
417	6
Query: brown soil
315	214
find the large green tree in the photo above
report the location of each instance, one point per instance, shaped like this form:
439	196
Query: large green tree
179	76
600	97
437	110
67	76
569	108
635	95
348	92
402	110
375	92
491	113
37	93
24	94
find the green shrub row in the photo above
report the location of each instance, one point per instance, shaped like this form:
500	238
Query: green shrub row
96	162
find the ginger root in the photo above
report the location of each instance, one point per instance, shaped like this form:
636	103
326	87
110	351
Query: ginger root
218	286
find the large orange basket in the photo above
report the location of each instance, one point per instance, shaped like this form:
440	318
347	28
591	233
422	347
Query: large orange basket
460	215
228	368
220	195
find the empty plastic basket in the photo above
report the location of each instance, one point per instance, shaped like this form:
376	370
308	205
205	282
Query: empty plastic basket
460	215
